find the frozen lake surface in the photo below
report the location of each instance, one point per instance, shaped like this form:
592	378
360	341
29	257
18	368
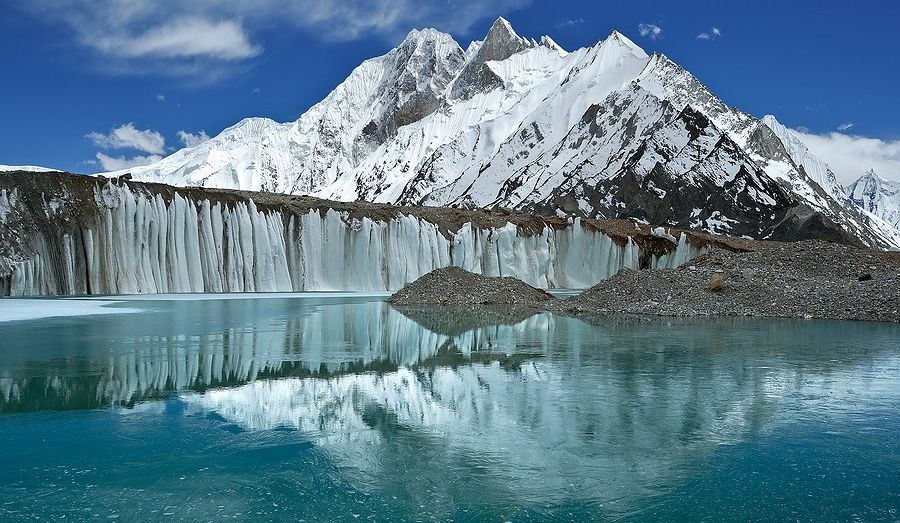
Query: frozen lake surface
335	406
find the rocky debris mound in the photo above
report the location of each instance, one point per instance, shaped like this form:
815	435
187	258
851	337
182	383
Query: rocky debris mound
809	279
455	286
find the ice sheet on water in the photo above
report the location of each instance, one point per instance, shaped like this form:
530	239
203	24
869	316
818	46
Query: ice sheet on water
20	309
240	296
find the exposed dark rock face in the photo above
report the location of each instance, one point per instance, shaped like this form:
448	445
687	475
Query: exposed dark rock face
418	72
455	286
809	279
500	43
652	186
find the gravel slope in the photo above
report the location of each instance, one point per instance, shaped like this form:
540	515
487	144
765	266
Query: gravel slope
455	286
801	279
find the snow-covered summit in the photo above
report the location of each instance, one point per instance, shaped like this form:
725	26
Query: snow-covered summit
603	131
878	196
27	168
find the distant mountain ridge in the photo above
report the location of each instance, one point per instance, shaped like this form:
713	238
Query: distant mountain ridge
26	168
604	131
878	196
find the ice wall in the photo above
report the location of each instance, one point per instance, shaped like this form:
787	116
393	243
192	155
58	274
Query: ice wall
145	243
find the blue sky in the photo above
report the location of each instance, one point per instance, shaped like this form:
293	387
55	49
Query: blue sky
76	70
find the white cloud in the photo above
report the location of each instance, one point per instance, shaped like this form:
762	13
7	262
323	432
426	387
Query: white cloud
160	98
191	139
651	31
205	39
188	37
846	126
569	22
849	156
712	34
128	137
115	163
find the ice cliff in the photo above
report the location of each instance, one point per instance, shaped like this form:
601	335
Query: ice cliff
64	234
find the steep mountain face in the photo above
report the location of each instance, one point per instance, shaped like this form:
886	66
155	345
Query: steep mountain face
604	132
877	196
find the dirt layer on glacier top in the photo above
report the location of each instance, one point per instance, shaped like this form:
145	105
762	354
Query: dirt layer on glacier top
808	279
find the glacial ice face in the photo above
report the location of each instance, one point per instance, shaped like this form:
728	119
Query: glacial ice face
145	243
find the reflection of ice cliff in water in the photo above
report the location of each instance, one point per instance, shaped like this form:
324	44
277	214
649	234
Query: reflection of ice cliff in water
254	339
329	340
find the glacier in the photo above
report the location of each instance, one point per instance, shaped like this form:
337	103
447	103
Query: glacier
87	236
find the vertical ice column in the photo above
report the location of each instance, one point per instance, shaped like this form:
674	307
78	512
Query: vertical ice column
683	252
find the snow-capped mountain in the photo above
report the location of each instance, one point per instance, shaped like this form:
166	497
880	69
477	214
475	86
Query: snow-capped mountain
879	196
604	131
26	168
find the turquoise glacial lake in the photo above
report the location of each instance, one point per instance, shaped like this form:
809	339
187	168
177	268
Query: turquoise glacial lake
330	407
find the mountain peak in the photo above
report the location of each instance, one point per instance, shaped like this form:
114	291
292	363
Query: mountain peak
500	43
428	34
502	24
871	174
620	39
550	43
502	35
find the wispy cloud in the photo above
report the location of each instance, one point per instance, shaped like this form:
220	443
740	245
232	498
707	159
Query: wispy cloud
846	126
129	137
569	22
192	139
849	156
181	38
712	34
651	31
160	98
116	163
206	39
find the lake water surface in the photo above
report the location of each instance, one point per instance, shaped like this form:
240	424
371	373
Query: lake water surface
340	408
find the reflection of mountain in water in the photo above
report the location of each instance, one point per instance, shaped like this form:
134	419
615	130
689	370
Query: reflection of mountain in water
325	341
608	414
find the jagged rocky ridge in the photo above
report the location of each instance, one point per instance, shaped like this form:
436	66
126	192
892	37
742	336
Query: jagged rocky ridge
68	234
605	132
